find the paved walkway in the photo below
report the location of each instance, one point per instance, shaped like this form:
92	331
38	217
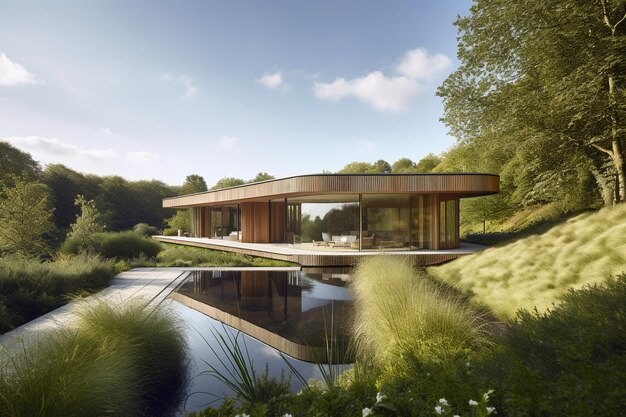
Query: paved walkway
150	284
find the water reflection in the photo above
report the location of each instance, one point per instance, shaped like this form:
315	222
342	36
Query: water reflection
292	311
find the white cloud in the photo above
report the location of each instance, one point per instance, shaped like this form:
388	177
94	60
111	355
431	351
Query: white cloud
107	131
142	157
383	93
47	148
388	93
271	80
419	64
12	73
229	143
183	80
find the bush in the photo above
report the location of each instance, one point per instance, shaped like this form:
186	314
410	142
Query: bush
117	362
30	288
125	245
178	255
570	360
145	229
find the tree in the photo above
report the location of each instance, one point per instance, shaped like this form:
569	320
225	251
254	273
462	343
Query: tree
358	168
87	224
262	176
25	216
193	184
403	166
549	76
179	221
65	184
227	182
427	163
17	163
381	166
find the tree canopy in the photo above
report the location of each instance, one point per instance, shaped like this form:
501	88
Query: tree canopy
540	90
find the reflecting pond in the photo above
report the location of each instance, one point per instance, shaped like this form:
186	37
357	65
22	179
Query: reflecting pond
291	311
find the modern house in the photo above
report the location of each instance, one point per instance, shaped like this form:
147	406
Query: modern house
332	219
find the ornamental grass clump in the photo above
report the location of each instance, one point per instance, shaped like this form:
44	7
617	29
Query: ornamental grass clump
154	338
399	310
116	361
66	373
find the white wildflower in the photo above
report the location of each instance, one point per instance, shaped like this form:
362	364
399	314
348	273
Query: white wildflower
472	403
438	410
443	401
287	415
379	397
487	394
456	415
366	412
491	410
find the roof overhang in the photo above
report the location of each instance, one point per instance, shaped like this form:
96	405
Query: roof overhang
462	184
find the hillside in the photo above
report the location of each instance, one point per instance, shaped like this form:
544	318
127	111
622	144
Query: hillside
534	271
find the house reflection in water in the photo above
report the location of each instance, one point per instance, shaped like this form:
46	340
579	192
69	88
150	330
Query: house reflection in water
292	311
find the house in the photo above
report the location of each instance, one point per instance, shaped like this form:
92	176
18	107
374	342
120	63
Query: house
332	219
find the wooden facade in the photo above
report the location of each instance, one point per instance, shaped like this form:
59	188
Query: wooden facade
268	212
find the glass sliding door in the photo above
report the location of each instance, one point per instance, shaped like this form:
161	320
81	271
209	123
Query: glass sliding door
386	221
330	221
225	222
420	222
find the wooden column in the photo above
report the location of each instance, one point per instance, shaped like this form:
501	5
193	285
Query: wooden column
255	222
277	222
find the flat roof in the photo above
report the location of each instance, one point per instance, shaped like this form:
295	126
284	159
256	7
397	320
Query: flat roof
462	184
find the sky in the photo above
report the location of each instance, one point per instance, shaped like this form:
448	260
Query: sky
161	90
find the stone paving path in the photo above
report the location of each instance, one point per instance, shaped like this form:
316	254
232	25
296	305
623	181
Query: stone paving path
150	284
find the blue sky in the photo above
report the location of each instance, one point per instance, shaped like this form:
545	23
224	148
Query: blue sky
154	89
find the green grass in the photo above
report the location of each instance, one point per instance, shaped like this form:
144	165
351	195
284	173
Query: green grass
179	255
30	288
536	270
127	361
398	309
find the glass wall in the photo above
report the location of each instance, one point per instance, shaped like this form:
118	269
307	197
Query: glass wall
225	222
321	220
396	221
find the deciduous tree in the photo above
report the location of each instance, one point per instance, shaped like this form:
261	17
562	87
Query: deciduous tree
25	217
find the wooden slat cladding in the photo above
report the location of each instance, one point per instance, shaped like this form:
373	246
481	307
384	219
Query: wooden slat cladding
466	185
277	222
255	222
314	260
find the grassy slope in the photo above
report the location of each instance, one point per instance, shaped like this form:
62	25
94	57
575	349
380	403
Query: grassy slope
534	271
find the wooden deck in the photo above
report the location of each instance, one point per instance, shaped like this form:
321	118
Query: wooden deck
324	257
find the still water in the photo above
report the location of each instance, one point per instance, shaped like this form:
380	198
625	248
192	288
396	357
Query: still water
294	312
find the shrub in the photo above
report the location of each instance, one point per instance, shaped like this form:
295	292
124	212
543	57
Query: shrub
177	255
145	229
126	245
30	288
570	360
